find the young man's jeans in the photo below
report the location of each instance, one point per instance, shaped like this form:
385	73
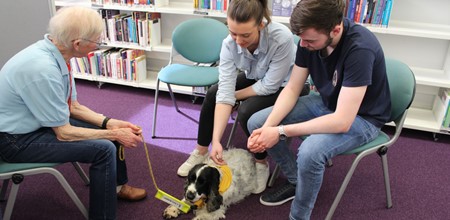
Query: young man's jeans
307	171
104	172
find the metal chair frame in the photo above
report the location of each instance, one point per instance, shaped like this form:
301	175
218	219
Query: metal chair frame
17	172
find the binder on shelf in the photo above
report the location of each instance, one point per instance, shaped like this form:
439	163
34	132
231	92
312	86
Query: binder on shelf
283	8
441	108
199	91
140	68
446	120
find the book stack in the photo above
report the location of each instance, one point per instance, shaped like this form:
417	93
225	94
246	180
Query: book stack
134	28
373	12
114	63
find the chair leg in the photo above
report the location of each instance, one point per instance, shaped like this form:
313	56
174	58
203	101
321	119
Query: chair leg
343	187
80	171
276	172
69	191
172	96
155	108
233	130
386	181
4	190
274	176
11	201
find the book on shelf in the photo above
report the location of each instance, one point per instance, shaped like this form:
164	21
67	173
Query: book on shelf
444	96
206	6
122	2
113	63
371	12
80	65
199	91
131	28
441	108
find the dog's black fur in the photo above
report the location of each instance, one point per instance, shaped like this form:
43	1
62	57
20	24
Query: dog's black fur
202	186
206	184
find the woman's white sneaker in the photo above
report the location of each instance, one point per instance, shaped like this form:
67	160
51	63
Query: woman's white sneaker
194	159
262	176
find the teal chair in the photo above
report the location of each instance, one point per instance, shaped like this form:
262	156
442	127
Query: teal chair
198	41
17	172
402	86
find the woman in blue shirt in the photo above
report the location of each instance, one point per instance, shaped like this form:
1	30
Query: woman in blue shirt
256	59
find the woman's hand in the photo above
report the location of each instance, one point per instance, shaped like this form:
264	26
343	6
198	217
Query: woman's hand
217	153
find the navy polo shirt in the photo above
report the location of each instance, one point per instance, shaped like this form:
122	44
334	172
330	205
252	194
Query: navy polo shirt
358	60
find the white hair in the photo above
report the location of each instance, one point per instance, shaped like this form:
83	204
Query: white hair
71	23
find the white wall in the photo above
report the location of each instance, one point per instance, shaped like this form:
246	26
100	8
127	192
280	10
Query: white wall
23	23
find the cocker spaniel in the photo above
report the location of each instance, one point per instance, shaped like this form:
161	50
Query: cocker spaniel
211	189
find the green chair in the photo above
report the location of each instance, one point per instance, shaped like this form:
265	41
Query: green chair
402	86
198	41
17	172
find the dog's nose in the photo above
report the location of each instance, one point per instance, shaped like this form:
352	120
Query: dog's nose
190	195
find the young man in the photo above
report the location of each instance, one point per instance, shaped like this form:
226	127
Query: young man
42	121
346	63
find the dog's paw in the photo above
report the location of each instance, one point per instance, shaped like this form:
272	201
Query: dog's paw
171	212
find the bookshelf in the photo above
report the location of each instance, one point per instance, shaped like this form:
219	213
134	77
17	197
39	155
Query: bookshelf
418	34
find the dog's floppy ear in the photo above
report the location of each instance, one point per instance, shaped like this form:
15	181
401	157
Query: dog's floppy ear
215	200
192	176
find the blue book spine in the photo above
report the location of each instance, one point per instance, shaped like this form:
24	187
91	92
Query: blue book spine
387	13
219	5
130	29
352	10
363	11
380	12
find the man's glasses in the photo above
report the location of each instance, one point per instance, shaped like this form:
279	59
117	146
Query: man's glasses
97	43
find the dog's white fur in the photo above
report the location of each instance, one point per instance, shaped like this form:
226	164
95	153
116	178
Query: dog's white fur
243	170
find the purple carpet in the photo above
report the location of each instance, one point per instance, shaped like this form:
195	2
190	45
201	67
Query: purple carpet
418	168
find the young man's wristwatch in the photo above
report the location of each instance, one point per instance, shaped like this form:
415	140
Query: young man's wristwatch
281	133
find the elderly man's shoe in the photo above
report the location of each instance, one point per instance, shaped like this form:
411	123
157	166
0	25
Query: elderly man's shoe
130	193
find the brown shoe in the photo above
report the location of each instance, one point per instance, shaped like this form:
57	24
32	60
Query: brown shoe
131	193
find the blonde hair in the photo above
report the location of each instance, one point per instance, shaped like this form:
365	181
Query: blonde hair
71	23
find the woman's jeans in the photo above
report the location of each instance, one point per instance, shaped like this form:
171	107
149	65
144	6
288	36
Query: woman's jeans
105	172
306	172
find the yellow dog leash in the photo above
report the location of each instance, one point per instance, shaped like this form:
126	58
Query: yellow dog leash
161	195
